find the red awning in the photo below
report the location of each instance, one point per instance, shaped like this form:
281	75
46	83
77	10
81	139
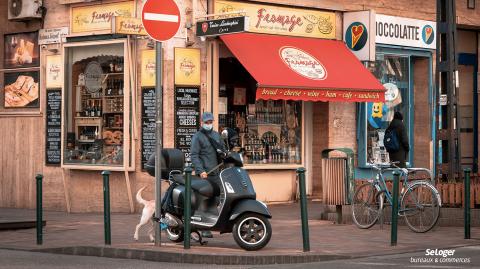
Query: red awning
295	68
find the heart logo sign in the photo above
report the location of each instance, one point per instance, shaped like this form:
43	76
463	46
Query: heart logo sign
205	27
303	63
428	35
357	32
356	36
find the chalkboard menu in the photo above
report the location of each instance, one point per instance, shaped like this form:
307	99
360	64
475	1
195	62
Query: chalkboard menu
53	127
187	117
148	124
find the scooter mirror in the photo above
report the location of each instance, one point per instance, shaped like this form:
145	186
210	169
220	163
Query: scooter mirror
225	134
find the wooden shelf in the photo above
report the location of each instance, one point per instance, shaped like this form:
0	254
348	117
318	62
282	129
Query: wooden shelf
118	112
113	96
113	128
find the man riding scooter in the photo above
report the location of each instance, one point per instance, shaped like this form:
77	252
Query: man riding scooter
204	150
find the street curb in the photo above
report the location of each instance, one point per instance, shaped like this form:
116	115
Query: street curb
194	258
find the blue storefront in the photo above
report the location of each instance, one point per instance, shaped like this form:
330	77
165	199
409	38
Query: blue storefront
403	63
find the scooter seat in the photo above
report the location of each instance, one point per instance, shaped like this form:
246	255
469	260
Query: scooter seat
202	186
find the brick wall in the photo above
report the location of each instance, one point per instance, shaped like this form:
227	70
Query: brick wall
422	112
320	142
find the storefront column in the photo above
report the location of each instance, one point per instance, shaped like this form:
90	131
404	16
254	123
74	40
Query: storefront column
308	144
212	80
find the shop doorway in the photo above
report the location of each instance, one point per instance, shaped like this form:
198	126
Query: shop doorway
269	131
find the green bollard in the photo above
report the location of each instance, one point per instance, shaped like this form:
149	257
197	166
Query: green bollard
303	208
39	178
106	207
394	231
187	202
466	214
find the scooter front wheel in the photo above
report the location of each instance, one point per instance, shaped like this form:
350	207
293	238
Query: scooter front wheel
252	231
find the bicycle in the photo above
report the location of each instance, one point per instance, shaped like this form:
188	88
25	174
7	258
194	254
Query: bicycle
419	203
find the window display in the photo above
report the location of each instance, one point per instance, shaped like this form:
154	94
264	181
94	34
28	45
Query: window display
94	106
269	130
393	73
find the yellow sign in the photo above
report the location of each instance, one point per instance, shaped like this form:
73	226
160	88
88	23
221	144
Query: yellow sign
128	26
147	78
53	71
282	20
187	66
99	17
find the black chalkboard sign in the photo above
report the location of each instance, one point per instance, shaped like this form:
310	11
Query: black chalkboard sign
148	124
187	117
53	127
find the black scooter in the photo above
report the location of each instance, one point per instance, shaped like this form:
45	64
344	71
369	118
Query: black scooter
236	210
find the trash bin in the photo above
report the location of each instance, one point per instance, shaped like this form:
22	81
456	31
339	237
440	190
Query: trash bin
337	180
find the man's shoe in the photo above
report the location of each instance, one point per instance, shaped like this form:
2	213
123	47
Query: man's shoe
206	234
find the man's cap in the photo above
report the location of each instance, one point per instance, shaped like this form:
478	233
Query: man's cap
207	116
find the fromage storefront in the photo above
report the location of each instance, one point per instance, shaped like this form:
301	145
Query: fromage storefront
289	85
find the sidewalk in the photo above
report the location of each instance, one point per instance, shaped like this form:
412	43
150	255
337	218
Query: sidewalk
82	234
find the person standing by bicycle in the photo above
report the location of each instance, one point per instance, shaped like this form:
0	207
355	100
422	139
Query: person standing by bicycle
396	140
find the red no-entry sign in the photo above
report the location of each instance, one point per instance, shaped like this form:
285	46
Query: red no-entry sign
161	19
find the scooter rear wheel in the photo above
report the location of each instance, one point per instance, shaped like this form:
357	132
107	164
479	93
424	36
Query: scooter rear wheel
252	231
175	234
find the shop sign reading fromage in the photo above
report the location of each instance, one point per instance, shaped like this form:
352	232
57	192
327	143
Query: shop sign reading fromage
303	63
128	26
281	20
147	70
96	18
187	66
53	71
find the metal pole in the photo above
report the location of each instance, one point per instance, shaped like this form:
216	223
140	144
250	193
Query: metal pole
187	207
394	231
106	207
467	203
303	208
39	210
158	138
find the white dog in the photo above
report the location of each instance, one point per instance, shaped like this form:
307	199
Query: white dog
147	215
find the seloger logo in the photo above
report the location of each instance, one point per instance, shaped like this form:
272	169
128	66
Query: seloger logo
428	34
356	36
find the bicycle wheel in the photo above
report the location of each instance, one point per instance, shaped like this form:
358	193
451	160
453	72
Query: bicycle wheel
420	206
366	206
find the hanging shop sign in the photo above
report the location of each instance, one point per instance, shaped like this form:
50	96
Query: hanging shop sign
53	127
93	77
128	26
98	18
148	124
222	26
359	33
187	66
187	117
147	72
52	35
405	32
53	68
277	20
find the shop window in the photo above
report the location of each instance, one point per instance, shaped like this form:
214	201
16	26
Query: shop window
394	73
94	106
270	131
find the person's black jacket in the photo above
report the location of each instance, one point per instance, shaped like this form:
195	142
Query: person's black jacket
401	155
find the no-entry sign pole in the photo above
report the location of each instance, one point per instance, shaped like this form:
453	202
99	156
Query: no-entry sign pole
158	137
161	20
